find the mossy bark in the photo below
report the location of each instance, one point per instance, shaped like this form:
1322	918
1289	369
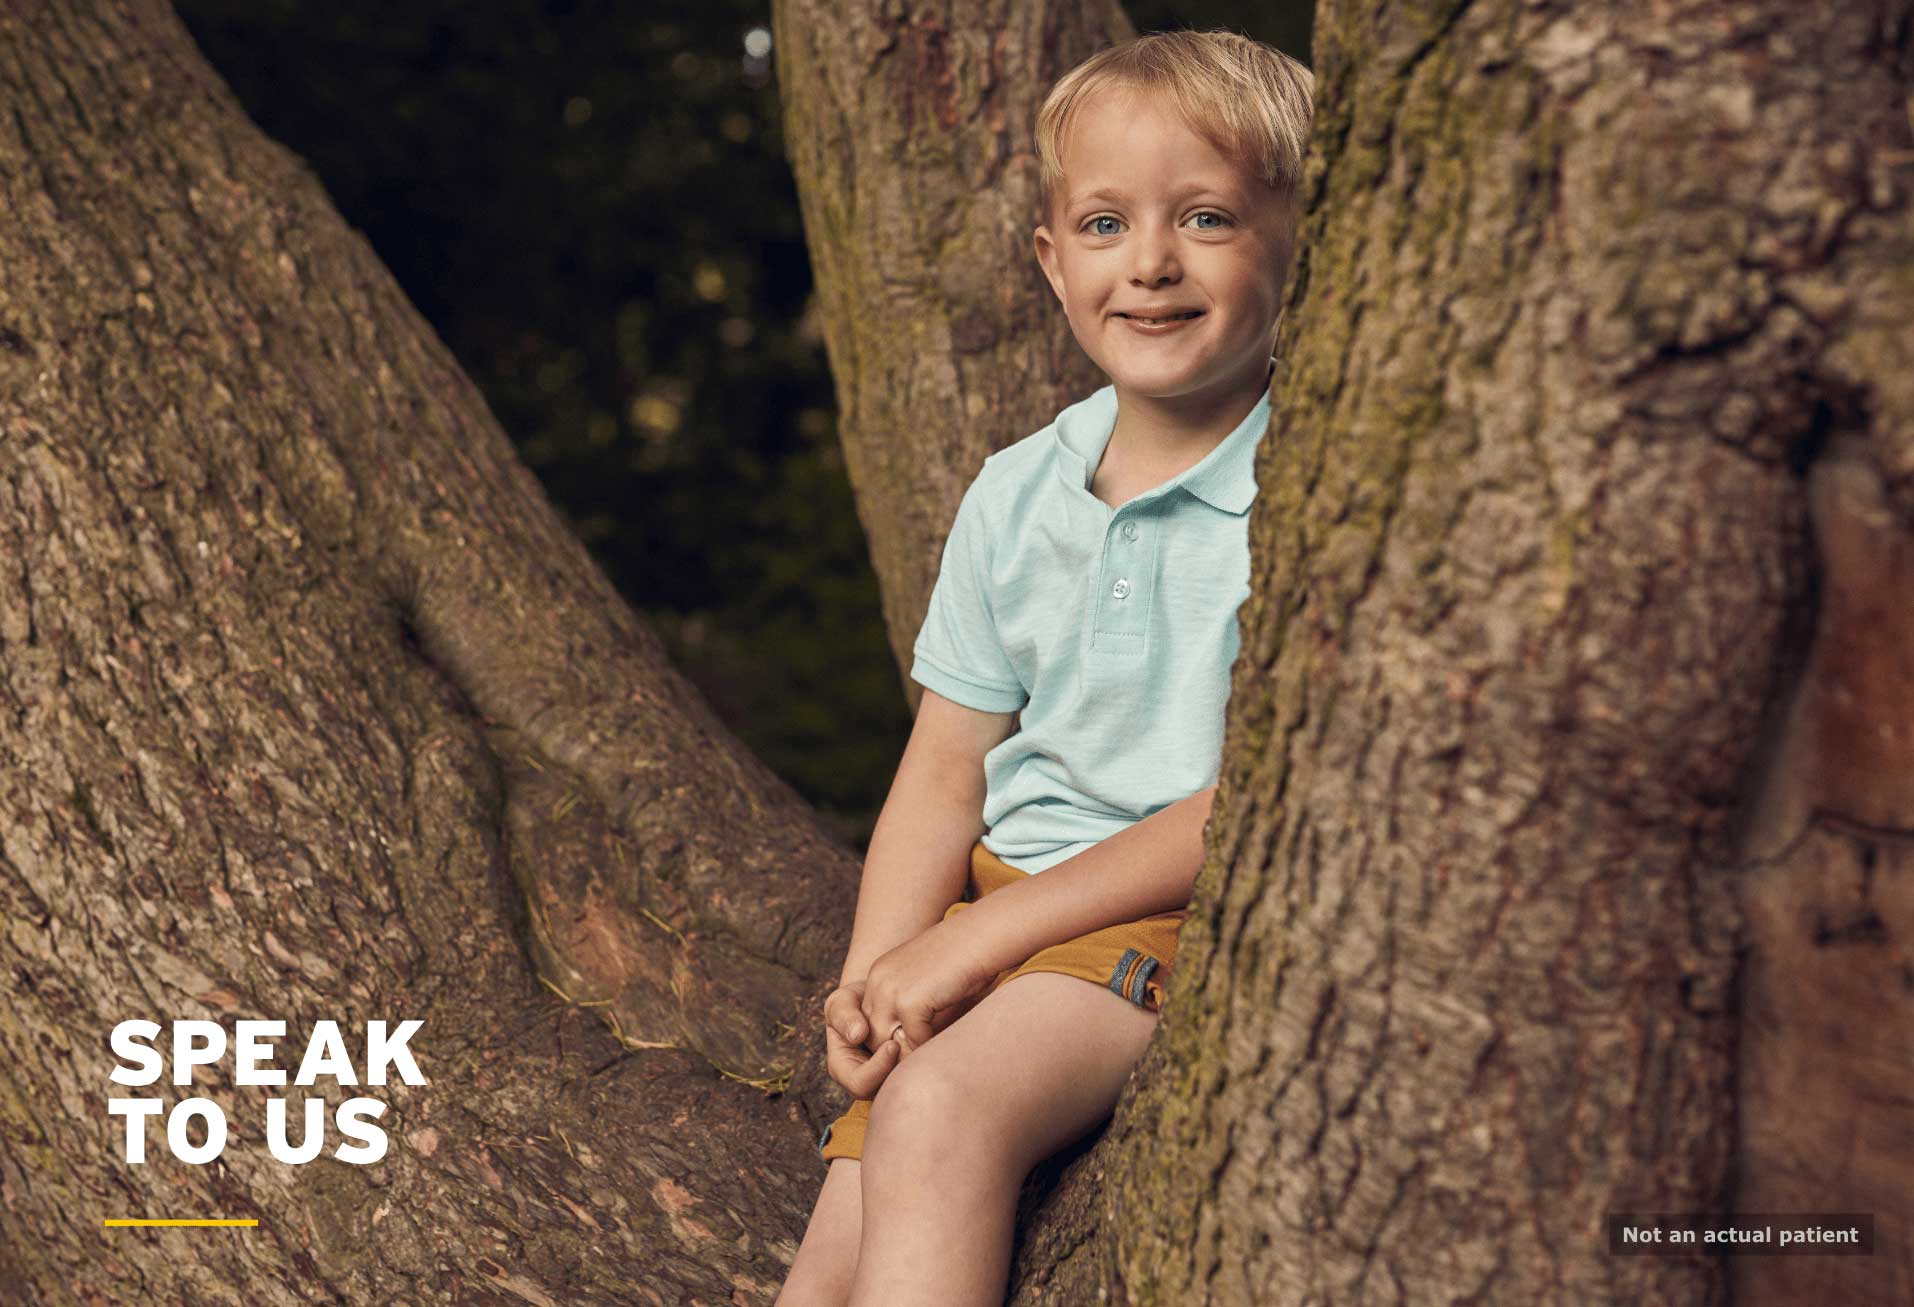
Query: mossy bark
1594	306
315	708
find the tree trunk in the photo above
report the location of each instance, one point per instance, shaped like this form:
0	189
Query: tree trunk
316	710
1596	407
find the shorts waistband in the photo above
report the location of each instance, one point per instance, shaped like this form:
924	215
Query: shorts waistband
989	873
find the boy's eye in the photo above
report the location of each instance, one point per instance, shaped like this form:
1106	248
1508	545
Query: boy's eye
1214	220
1096	225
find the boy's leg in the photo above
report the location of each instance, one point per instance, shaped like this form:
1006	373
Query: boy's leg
820	1274
960	1122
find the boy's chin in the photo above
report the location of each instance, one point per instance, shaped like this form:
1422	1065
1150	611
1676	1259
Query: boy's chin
1150	370
1163	383
1169	380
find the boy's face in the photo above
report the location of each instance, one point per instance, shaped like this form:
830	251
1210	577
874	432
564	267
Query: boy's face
1151	220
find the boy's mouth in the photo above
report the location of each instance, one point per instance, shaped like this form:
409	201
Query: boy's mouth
1182	316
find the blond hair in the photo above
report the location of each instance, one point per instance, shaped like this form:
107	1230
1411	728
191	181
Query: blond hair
1250	101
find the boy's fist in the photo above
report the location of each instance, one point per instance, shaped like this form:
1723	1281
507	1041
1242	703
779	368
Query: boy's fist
846	1038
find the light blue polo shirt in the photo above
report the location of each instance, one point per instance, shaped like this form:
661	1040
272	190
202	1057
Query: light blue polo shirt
1113	630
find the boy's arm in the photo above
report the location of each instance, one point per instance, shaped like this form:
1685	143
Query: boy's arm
1146	868
919	857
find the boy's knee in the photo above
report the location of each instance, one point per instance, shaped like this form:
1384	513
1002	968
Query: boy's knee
809	1286
921	1110
917	1093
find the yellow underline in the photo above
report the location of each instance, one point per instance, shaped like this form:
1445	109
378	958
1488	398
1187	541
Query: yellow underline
134	1220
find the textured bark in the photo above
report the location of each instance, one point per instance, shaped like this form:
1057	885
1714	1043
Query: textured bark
315	709
1596	302
1827	1036
909	129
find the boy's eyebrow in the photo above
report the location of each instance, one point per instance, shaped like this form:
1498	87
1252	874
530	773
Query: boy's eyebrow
1115	196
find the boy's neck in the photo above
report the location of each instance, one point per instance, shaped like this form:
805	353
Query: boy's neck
1153	434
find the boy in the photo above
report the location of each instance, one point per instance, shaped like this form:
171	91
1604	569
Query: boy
1090	583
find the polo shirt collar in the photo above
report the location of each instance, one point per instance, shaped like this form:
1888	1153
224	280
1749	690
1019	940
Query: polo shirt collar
1225	477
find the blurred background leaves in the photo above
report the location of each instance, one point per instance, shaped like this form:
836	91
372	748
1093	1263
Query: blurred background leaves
590	203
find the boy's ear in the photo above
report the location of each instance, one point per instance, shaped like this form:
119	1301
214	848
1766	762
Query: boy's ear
1047	260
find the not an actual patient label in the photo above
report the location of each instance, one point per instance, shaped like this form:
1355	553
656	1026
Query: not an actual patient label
1675	1234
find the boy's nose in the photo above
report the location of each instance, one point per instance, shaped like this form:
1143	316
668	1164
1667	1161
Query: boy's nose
1155	261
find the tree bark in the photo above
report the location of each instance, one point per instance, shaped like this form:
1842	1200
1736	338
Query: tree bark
316	710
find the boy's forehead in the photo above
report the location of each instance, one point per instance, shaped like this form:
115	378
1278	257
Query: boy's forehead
1104	149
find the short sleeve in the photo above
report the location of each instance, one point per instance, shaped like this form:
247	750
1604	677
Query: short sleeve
958	653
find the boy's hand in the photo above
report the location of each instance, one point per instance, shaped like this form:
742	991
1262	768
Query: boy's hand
924	984
846	1034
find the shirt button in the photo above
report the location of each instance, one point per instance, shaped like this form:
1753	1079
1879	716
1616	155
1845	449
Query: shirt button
1129	530
1121	589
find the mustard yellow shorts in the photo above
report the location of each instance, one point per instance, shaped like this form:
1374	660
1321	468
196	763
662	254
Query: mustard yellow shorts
1131	957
